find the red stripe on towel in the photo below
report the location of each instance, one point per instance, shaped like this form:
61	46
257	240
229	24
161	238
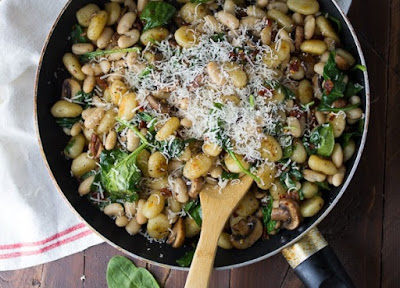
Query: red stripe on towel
38	243
47	248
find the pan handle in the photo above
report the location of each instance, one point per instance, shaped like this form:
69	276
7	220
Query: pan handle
315	262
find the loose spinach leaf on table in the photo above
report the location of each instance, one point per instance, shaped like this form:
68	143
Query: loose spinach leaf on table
122	273
157	14
77	35
193	208
67	122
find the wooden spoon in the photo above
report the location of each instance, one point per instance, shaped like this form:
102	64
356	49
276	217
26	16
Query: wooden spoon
216	206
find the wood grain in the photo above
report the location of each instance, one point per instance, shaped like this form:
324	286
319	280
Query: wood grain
391	221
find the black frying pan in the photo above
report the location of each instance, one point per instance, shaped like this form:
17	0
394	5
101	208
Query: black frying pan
50	75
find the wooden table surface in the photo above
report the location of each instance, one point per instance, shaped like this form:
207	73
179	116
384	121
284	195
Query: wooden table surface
363	228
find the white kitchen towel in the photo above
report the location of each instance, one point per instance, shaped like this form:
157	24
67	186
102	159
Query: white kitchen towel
36	225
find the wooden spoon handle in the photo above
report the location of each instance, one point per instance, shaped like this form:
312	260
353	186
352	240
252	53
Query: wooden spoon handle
203	260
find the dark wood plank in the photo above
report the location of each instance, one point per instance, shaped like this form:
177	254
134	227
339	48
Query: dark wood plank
268	273
394	36
391	228
23	278
65	272
370	19
96	260
219	279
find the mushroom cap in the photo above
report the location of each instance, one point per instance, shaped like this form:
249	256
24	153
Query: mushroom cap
294	211
255	232
177	236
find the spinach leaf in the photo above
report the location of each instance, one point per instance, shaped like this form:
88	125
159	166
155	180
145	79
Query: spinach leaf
334	83
337	22
144	279
323	185
186	259
123	273
120	272
266	212
287	151
119	173
157	14
335	110
321	141
335	87
289	94
228	176
352	89
67	122
359	67
69	145
345	138
327	140
83	98
301	194
290	177
171	149
91	55
77	35
199	1
218	37
193	208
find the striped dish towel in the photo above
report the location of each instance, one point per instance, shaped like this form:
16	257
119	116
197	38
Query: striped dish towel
36	225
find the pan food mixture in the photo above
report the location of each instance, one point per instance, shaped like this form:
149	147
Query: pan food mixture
164	97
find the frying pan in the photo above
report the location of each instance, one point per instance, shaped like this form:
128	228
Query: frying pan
304	247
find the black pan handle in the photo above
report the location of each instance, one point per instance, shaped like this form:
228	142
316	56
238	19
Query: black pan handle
316	264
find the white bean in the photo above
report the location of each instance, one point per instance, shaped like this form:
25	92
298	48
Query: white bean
337	155
180	190
84	187
114	209
228	20
126	22
313	176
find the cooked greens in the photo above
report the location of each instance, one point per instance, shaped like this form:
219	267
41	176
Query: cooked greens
157	14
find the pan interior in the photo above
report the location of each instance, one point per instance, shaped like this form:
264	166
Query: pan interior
50	76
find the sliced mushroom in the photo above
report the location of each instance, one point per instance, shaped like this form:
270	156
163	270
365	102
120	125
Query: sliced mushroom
254	233
196	187
157	105
177	236
288	213
69	88
240	226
